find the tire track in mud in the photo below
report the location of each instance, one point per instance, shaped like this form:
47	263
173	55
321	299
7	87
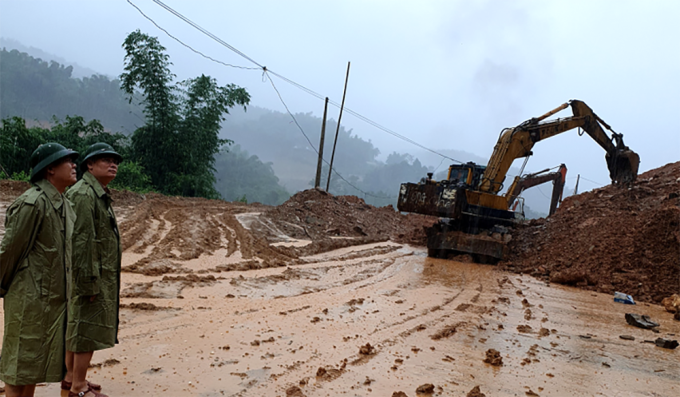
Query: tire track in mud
396	334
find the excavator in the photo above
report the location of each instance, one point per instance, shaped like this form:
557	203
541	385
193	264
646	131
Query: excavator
558	179
474	218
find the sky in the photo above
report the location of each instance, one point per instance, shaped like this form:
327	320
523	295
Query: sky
446	74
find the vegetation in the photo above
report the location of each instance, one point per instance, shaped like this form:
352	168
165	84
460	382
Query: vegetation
178	143
17	143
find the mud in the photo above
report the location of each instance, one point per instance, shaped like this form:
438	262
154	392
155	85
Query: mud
615	238
247	300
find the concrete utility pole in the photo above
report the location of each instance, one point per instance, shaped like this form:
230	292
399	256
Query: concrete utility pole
317	182
576	188
337	130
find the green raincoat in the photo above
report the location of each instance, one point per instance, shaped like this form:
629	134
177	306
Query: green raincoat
35	261
96	269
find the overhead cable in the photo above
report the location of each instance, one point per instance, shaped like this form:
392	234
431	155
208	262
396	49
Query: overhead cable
188	46
266	70
315	149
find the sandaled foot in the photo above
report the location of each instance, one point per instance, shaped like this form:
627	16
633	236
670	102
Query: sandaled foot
67	385
90	392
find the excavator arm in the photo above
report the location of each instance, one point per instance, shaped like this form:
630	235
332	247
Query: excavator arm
520	184
517	142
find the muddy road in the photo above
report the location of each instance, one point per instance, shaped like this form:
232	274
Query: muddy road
222	299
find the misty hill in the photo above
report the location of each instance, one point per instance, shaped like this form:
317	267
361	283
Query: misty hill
37	89
78	71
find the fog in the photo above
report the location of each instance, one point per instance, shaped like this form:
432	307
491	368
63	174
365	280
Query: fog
446	74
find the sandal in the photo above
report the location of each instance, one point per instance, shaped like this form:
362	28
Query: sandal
83	393
67	385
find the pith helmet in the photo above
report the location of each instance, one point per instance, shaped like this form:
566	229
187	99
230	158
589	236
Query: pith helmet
47	154
99	149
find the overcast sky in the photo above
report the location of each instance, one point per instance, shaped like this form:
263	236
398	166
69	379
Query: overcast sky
447	74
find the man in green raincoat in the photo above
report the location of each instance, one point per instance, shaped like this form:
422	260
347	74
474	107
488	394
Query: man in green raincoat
93	308
35	266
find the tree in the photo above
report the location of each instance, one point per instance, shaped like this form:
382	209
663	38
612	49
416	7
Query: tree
178	143
17	143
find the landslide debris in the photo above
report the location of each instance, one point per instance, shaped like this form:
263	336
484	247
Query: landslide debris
610	239
318	215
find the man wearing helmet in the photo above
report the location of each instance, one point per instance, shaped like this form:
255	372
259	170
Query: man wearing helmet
35	266
93	305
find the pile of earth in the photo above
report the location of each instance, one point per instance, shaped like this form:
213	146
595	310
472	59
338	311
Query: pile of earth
610	239
316	215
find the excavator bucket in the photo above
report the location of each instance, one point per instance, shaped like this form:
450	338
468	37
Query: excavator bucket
623	167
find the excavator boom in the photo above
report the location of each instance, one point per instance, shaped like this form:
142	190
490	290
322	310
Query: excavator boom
517	142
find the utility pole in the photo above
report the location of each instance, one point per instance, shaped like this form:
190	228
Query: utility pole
576	188
317	182
337	130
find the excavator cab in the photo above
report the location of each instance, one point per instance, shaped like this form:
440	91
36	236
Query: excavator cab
467	174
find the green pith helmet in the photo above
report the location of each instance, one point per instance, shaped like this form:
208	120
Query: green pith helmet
99	149
46	154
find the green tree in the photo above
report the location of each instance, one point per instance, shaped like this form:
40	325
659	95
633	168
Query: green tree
17	143
131	176
178	143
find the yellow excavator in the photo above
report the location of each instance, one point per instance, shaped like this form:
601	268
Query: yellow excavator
474	217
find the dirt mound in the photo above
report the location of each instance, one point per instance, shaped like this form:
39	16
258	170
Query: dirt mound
317	215
610	239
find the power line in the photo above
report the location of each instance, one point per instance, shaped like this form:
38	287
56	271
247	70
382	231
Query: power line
314	148
265	69
186	45
205	32
597	183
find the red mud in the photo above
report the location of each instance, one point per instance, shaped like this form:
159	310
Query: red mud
610	239
321	215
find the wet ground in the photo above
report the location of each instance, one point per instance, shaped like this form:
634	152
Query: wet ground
211	309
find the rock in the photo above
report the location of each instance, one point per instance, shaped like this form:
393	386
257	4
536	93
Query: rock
666	343
294	391
493	357
367	349
427	388
640	321
399	394
627	337
475	392
672	303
